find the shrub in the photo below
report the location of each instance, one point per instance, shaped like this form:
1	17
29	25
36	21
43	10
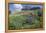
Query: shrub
19	22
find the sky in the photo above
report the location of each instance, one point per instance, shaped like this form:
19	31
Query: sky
18	7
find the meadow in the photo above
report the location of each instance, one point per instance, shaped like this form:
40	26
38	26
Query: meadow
25	20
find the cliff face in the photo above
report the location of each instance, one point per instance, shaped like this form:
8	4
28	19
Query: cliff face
23	13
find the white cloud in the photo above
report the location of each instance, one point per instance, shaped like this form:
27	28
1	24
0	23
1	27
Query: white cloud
18	6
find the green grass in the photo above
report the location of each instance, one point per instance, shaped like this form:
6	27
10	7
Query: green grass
18	21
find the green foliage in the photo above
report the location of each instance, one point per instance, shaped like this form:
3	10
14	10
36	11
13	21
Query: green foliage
19	22
16	21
